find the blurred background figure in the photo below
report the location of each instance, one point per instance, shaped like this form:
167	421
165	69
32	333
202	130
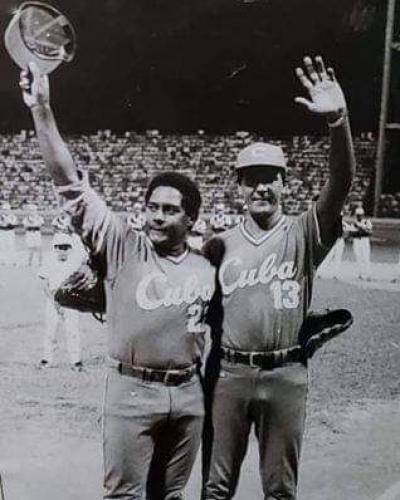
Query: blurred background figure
62	224
8	223
330	267
361	231
136	218
196	235
218	220
60	265
33	223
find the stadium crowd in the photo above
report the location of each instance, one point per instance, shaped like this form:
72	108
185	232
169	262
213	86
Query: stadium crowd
119	167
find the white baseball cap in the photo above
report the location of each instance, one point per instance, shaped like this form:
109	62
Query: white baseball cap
39	33
61	220
261	153
200	226
359	211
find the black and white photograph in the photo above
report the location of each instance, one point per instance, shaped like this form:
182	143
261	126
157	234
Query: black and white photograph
200	250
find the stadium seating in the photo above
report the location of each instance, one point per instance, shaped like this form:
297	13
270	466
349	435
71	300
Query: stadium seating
120	166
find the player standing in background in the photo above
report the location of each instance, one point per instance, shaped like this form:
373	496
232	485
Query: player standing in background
60	264
330	267
33	223
265	269
338	249
136	219
8	223
218	219
361	233
157	291
62	224
197	234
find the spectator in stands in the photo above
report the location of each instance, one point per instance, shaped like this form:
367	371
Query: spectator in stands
208	159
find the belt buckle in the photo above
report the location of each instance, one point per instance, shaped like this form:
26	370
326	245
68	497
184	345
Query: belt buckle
168	378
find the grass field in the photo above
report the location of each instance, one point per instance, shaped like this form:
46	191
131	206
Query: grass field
50	445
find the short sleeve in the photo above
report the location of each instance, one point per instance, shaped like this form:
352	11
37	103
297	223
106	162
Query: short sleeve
316	248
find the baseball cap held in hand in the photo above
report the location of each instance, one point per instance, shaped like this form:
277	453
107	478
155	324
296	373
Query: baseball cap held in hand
40	33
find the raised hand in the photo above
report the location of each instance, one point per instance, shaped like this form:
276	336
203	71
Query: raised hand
35	87
326	95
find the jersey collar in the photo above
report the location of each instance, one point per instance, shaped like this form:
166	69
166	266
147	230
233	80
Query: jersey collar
175	259
178	259
264	237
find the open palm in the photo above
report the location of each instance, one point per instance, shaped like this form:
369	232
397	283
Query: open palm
326	95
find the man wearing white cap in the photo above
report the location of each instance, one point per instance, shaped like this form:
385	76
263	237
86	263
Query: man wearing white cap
8	223
361	232
62	224
136	219
256	376
218	219
197	234
60	266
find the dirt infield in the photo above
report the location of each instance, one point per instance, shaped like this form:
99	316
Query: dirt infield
50	443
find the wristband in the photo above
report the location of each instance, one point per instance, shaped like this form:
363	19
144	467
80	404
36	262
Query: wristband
339	121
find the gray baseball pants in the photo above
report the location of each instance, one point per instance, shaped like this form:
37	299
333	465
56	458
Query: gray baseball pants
151	435
275	402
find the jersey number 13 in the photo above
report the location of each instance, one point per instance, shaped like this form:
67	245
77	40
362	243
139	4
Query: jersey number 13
285	294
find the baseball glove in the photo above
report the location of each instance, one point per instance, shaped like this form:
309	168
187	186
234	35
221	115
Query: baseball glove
83	291
320	327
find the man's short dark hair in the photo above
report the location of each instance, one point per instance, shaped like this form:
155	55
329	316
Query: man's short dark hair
191	198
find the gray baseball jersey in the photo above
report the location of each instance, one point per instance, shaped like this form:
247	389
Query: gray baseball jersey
155	305
267	283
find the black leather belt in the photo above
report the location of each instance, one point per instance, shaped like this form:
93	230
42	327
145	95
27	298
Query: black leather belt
167	377
264	360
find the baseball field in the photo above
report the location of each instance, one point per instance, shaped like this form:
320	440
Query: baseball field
50	429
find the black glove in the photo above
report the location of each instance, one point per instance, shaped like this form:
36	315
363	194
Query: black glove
320	327
83	291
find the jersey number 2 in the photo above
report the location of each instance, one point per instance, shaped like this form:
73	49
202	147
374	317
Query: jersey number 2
285	294
194	324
